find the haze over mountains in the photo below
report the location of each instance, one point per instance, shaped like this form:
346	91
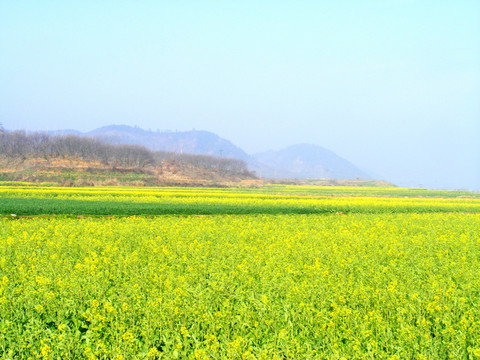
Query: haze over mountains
297	161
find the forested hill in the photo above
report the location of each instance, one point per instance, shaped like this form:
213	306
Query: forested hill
74	160
294	162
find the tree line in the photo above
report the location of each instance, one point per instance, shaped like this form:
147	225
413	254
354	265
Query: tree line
19	144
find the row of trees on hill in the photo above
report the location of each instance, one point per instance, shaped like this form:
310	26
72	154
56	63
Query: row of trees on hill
19	144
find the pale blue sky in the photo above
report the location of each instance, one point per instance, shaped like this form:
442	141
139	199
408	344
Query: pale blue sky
391	85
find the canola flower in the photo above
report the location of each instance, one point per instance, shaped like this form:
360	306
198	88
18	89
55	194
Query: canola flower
297	286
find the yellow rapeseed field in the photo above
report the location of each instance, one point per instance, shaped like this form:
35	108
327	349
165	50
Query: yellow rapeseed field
247	286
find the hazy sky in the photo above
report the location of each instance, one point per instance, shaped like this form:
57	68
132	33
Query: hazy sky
391	85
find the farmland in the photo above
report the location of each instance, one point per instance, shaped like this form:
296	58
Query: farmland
272	272
210	201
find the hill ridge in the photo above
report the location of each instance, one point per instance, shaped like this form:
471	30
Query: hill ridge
298	161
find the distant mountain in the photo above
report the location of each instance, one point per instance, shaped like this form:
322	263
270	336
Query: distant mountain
297	161
309	161
186	142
